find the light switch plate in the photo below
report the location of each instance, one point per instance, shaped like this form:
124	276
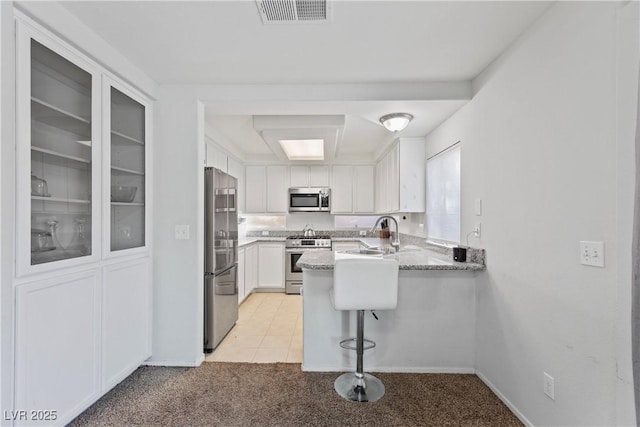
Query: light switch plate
592	253
181	232
478	207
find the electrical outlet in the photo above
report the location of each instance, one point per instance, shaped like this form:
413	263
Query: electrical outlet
476	230
363	233
265	232
592	253
181	232
549	388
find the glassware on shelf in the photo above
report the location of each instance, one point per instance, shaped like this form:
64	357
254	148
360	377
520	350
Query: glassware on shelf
41	241
39	187
80	241
53	226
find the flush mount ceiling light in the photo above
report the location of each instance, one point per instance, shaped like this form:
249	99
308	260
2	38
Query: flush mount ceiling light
395	122
303	149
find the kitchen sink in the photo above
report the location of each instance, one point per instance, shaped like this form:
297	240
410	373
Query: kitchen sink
364	251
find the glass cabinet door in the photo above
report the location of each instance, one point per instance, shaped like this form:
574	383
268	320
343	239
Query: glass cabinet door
61	157
127	171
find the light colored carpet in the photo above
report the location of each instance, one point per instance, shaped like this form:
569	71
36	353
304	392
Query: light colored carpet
280	394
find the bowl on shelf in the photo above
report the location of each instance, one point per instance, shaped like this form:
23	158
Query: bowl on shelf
39	187
124	194
41	241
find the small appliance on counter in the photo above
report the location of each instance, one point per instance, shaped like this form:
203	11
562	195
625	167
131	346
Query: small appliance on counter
460	254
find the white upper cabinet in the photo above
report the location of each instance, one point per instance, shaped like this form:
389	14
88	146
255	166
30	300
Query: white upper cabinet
299	176
342	189
126	121
266	189
82	158
363	191
400	177
309	176
58	155
256	190
318	176
277	189
352	189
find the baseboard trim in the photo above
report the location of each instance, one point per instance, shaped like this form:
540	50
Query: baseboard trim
506	401
175	363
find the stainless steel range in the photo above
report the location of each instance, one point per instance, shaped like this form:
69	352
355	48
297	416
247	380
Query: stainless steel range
295	246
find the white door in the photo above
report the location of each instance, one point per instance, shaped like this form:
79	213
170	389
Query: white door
255	189
58	345
271	265
342	189
277	189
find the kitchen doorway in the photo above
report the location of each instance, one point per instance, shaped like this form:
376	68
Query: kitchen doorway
268	330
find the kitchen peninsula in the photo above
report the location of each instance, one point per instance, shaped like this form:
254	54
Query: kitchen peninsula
431	330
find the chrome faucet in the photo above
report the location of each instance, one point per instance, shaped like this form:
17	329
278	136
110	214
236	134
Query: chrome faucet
395	238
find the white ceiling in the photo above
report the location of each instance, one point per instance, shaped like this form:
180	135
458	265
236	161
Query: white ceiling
366	41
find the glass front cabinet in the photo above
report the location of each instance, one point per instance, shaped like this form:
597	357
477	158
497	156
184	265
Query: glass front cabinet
81	159
125	121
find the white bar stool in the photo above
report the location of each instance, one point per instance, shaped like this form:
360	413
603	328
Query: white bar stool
363	284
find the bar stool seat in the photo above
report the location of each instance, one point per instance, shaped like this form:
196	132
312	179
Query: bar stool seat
363	284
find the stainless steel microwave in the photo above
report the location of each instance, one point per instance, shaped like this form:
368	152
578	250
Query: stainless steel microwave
309	200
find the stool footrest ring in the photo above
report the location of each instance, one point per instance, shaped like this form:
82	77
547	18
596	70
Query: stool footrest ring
349	344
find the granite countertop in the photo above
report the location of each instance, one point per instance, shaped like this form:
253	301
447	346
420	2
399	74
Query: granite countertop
413	259
249	240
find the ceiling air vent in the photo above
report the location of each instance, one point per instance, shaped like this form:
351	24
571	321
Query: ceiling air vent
291	11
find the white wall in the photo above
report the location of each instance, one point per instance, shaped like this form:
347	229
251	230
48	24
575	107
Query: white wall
539	148
179	199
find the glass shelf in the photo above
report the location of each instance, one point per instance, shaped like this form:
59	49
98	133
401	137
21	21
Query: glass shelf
61	200
120	138
60	155
126	204
117	169
56	117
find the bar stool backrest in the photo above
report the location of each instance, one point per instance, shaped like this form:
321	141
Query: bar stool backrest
365	284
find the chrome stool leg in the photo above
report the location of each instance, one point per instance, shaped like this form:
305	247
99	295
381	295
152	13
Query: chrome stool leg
358	386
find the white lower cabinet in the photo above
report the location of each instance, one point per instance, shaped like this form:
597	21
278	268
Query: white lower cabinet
242	292
271	265
251	269
57	346
126	327
77	336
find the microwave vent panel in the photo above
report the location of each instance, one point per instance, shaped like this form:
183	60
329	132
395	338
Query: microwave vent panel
294	11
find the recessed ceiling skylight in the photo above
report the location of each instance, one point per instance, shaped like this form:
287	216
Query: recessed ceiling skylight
303	149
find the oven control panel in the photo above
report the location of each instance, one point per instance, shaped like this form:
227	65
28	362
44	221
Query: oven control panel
308	243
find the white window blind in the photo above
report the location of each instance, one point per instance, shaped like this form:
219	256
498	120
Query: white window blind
443	196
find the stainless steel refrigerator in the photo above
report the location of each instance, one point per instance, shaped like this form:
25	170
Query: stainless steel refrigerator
221	257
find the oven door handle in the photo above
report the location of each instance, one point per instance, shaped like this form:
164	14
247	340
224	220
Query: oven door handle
289	251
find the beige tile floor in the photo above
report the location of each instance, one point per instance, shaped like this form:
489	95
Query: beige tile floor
268	330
